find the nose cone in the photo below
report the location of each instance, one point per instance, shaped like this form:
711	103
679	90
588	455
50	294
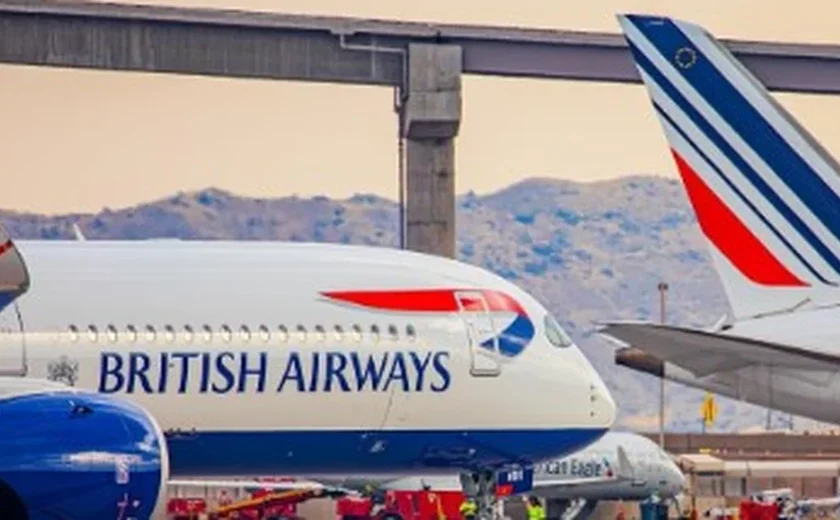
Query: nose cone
676	479
602	408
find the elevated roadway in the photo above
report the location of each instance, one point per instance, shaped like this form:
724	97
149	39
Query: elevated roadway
424	62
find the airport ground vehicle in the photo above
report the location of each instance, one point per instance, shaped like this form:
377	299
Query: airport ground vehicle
260	505
403	505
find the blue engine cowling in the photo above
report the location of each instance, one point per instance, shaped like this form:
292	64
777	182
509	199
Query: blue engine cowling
79	455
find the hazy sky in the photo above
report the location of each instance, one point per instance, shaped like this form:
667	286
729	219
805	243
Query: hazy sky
81	140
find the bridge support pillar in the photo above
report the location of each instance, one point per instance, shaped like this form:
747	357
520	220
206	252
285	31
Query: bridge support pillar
430	119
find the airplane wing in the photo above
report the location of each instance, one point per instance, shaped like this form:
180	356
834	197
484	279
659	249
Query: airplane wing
253	485
703	353
624	472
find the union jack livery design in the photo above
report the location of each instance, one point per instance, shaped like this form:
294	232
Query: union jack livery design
500	309
764	191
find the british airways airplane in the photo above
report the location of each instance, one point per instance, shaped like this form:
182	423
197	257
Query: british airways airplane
125	362
767	198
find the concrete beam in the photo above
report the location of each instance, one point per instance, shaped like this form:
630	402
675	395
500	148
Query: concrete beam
431	118
173	46
302	47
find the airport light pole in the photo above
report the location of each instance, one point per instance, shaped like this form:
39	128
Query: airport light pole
663	288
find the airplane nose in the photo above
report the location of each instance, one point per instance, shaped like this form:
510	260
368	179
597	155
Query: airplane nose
603	409
680	482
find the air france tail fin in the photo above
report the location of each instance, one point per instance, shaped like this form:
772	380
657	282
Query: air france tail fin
766	194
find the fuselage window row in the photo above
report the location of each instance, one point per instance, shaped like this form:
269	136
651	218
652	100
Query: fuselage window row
262	333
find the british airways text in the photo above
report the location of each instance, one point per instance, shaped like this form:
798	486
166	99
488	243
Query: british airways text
255	372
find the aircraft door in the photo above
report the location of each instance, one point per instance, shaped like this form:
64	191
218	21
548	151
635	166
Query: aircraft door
12	342
475	312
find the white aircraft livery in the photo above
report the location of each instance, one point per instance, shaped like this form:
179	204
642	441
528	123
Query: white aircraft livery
619	466
767	198
254	358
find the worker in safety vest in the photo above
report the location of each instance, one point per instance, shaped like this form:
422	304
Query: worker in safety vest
535	509
468	509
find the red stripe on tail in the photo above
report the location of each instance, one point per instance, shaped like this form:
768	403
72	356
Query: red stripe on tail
731	236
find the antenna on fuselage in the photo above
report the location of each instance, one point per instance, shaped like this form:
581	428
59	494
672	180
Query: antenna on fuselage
78	232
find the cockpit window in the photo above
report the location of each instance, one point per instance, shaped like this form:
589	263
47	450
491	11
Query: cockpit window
556	336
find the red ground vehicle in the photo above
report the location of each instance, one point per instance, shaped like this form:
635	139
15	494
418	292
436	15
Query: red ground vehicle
260	504
403	505
749	510
185	508
427	505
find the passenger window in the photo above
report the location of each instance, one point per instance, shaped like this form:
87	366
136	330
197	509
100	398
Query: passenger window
339	333
131	332
301	333
282	333
555	334
207	333
92	333
169	333
265	335
392	331
227	334
188	334
245	333
357	333
150	333
374	333
112	333
320	335
74	332
410	332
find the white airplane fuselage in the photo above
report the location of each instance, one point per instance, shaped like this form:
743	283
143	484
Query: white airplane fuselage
267	358
592	473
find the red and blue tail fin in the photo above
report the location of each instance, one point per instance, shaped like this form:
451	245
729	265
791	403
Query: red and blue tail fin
766	194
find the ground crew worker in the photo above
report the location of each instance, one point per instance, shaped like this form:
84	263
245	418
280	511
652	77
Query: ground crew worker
468	508
535	509
620	514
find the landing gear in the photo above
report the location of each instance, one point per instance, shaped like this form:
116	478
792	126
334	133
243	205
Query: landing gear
481	487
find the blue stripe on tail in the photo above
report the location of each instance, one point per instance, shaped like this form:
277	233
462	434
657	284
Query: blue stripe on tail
729	151
754	129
